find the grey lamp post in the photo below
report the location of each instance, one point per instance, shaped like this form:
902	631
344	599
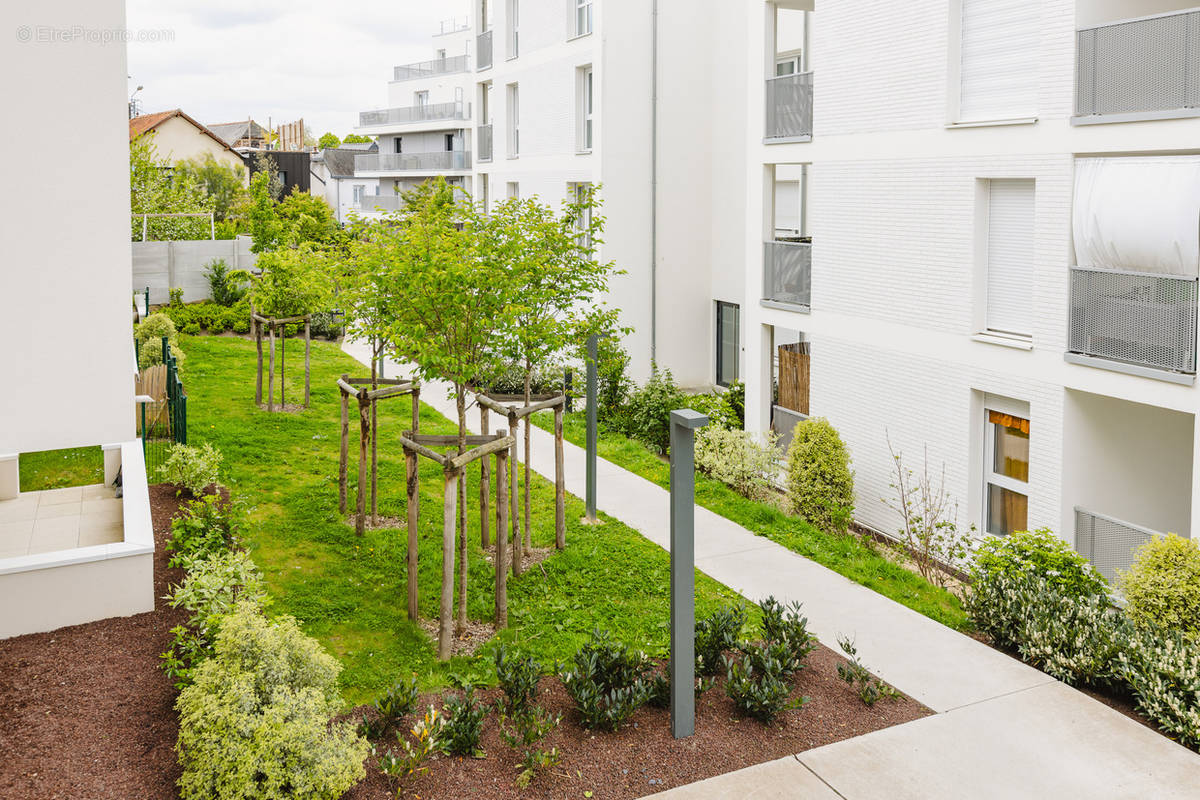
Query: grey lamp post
683	578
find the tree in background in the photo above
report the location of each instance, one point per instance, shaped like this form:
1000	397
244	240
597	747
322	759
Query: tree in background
224	183
356	138
298	218
328	140
155	187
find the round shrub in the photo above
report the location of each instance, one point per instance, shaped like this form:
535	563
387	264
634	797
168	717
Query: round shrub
1164	673
241	324
1075	639
154	327
191	329
1162	587
1041	553
820	483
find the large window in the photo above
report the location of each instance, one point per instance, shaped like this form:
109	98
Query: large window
998	60
514	28
514	121
728	343
421	99
1010	253
583	17
583	224
1006	482
586	105
398	144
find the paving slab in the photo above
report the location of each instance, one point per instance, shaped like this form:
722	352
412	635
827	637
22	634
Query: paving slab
783	779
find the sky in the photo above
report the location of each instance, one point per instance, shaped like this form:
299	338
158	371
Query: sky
278	59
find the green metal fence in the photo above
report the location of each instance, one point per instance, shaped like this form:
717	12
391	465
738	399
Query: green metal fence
164	424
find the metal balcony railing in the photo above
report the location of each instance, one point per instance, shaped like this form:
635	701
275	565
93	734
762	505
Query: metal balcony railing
787	273
381	202
453	25
1106	542
483	50
1145	65
430	69
483	142
412	162
425	113
790	106
1137	318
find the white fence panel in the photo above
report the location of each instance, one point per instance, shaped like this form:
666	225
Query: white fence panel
166	265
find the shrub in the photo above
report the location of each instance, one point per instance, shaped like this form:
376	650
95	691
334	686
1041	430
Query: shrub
175	296
255	723
607	683
396	703
718	632
647	415
716	408
787	629
462	725
820	483
735	396
522	732
1074	639
1164	672
1162	587
148	334
226	286
518	677
327	325
191	329
205	527
192	468
658	688
746	462
996	603
241	324
870	689
612	378
1040	553
214	585
760	692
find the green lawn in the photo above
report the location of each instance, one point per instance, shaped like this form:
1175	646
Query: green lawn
55	469
350	592
847	555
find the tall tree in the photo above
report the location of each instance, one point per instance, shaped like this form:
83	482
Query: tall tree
155	187
224	183
355	138
328	140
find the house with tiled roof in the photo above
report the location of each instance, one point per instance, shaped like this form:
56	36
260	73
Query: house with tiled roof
178	137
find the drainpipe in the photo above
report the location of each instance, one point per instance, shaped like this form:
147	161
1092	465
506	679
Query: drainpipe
653	182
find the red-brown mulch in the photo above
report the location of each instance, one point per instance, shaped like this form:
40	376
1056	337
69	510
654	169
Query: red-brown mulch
643	758
85	711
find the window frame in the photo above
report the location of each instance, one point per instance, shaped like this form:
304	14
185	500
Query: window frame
513	103
583	12
720	365
993	478
513	24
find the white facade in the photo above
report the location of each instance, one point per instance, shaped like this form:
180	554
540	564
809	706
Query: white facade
939	188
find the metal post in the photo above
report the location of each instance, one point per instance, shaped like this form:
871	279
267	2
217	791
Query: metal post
147	310
568	379
593	346
683	565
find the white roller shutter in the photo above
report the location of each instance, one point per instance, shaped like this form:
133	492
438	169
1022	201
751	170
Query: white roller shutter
1010	266
999	59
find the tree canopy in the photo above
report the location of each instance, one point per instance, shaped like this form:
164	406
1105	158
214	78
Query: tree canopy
355	138
155	187
224	183
328	140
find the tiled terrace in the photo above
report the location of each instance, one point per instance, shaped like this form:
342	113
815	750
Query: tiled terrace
60	519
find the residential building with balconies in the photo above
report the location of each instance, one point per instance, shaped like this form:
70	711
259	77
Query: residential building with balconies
973	232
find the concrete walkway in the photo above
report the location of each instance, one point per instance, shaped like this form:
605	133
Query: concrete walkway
1003	729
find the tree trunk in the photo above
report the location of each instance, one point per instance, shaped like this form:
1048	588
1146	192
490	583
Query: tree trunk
560	483
374	443
528	434
485	486
364	435
307	361
460	402
446	618
412	480
515	535
283	368
343	453
271	372
257	331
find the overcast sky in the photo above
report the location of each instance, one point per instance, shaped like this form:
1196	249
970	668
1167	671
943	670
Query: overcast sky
278	59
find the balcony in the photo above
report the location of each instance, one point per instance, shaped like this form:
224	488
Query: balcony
431	69
790	107
483	50
381	202
439	161
1138	68
1147	321
430	112
787	274
483	142
1107	542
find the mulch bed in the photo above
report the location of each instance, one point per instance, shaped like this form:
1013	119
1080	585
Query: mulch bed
643	758
86	711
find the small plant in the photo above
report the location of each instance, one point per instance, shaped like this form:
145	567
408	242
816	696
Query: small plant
760	692
425	733
647	415
522	732
717	633
191	468
518	677
786	629
371	728
870	689
226	286
746	462
608	682
1040	553
820	484
397	703
658	689
1162	586
929	529
175	295
462	725
205	527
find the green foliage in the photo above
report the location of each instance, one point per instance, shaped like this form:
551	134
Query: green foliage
307	219
745	461
612	377
647	415
462	725
870	689
1162	586
1074	639
255	721
326	324
518	676
204	528
607	683
715	634
735	397
396	703
224	183
292	282
191	468
148	334
760	692
355	138
414	754
787	629
328	140
717	408
175	293
1163	670
658	688
1039	553
155	187
265	228
820	483
522	731
226	286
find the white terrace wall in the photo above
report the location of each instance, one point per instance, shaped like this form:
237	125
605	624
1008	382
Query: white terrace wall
166	265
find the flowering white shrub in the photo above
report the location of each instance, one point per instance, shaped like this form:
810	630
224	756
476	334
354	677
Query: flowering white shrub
745	461
1164	673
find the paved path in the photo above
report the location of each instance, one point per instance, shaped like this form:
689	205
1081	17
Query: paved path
1003	729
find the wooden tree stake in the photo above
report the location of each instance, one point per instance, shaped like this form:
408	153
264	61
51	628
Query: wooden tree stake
412	481
343	455
513	518
271	372
485	487
525	489
364	421
446	620
501	539
258	344
560	485
307	359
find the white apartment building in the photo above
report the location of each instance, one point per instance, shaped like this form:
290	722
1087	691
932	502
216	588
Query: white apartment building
974	229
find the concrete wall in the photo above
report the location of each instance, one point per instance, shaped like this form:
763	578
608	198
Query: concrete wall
69	301
162	266
179	140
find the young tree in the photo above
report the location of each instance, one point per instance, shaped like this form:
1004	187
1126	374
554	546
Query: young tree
155	187
328	140
555	280
225	184
355	138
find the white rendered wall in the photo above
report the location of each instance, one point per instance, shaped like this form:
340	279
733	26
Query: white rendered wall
177	140
67	364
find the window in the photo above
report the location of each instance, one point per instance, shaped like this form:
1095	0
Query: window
583	17
514	27
514	121
728	344
583	224
421	99
1006	489
1010	267
483	191
449	142
787	65
998	56
514	190
358	193
485	16
485	103
441	54
586	107
397	143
